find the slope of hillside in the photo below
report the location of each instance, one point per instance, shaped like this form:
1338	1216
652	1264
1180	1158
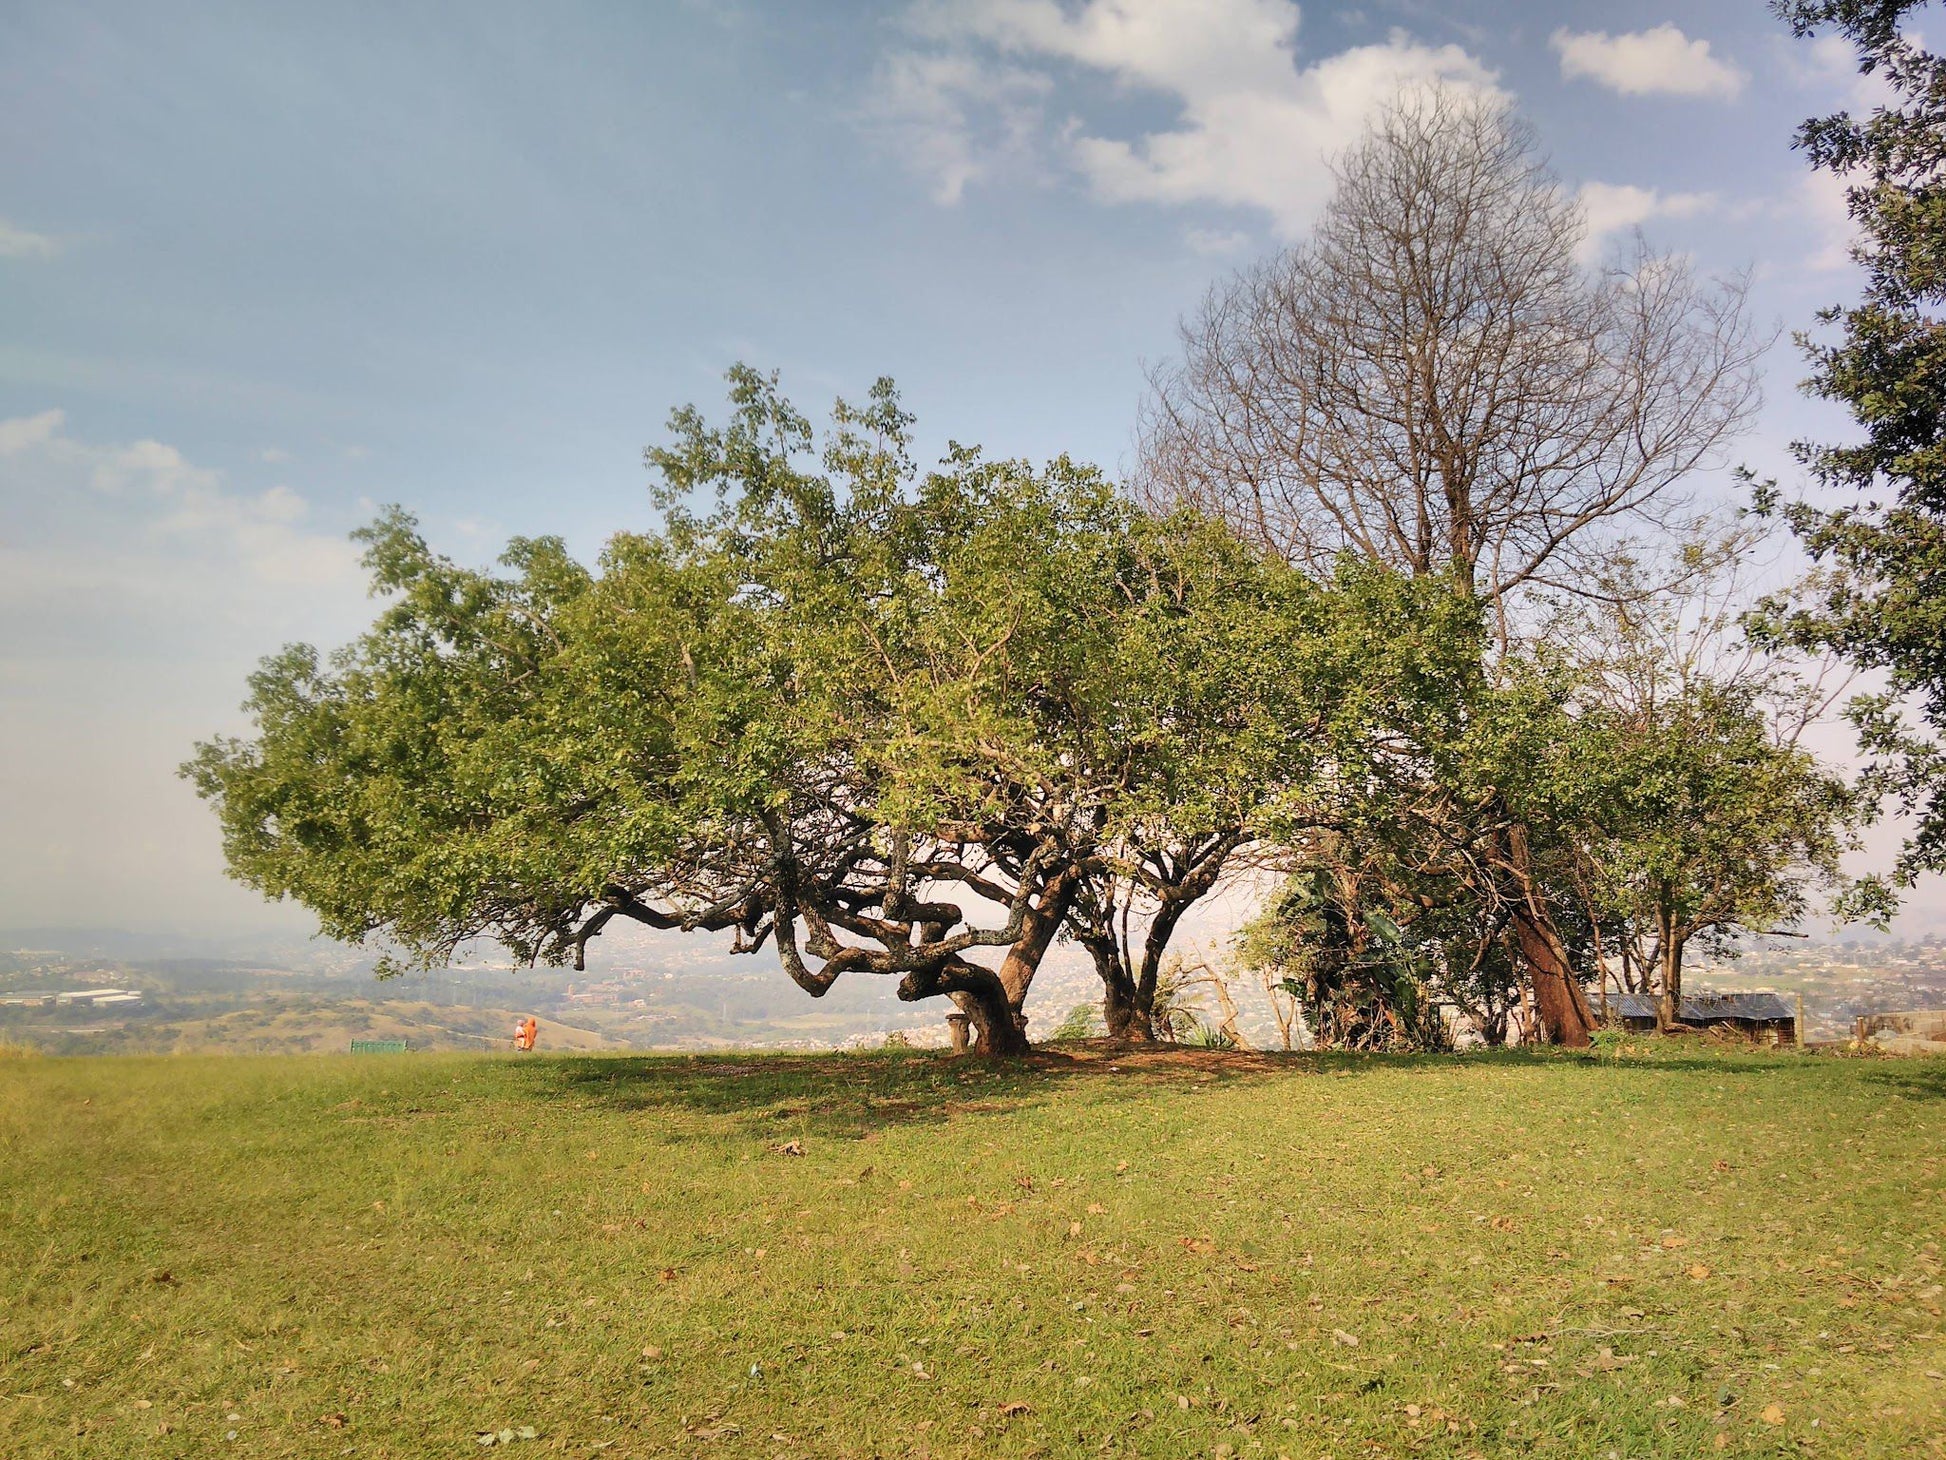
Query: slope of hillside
1680	1254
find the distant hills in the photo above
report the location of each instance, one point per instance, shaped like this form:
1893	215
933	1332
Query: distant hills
267	995
648	990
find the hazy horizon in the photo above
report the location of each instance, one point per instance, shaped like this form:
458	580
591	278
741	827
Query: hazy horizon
265	270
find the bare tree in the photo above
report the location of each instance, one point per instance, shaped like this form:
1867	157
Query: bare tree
1435	380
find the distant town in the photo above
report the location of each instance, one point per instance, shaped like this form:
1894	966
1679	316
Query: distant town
82	993
1839	981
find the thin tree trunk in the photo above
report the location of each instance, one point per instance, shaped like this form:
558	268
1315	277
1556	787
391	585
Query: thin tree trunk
1669	1009
1229	1006
1283	1008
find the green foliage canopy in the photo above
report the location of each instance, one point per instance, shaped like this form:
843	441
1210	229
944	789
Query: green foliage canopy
884	719
1881	598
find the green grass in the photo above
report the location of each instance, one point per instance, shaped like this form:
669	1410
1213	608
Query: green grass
386	1256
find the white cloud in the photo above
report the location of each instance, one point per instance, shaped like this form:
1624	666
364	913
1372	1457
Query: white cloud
144	466
1818	205
144	526
1612	207
477	530
1649	62
1829	64
273	455
19	243
1253	128
956	119
22	432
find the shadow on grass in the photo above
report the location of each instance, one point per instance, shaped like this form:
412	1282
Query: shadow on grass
1915	1079
851	1096
840	1096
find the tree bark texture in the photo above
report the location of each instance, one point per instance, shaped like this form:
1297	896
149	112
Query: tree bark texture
1558	995
1565	1015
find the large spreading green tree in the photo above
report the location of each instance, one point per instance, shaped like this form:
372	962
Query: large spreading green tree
916	726
1880	600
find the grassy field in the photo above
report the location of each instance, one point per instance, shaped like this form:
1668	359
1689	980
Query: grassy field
1670	1254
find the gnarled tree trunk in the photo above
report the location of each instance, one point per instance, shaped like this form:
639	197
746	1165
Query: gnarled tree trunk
1129	1015
1128	988
997	1028
1001	1022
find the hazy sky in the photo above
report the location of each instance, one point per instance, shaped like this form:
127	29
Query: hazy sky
265	266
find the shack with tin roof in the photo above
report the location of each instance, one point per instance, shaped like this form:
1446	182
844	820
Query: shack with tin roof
1761	1018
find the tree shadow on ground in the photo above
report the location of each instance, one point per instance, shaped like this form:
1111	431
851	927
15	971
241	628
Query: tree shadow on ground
852	1096
855	1095
1920	1078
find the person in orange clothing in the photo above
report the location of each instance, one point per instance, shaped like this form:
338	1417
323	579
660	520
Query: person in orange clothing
531	1032
523	1034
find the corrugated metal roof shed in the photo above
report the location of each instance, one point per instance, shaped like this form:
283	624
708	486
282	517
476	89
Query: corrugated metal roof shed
1763	1007
1707	1008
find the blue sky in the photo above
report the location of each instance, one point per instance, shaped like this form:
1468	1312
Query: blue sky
265	266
